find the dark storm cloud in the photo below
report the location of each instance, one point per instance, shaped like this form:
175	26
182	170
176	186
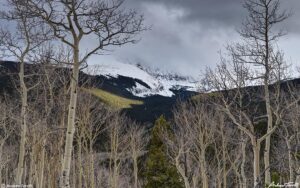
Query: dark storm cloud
187	35
225	13
219	11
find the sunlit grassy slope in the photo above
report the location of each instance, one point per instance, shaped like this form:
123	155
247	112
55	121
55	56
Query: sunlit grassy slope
114	100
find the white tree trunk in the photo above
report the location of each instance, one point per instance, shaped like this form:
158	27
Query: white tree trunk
79	163
267	150
182	173
42	165
91	166
65	176
291	164
256	166
267	101
243	173
204	177
24	93
135	169
224	162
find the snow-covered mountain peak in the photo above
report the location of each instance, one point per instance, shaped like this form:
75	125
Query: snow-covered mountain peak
158	83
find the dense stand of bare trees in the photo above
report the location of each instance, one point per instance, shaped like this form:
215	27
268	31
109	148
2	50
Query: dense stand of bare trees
217	144
107	145
257	60
71	23
259	117
62	136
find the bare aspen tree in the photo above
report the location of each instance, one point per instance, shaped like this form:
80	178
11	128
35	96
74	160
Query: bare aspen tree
79	135
44	128
61	76
244	178
290	129
48	85
137	146
20	45
232	102
193	139
228	154
35	133
91	119
203	139
73	21
46	107
43	120
38	131
178	149
258	50
119	145
236	156
6	129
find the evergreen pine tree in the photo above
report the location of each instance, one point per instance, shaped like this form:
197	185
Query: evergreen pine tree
159	172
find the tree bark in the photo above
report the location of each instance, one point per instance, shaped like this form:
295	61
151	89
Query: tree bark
74	171
291	164
256	166
113	177
182	173
31	165
42	165
243	173
135	169
91	165
268	139
79	163
224	161
203	171
65	176
267	98
24	93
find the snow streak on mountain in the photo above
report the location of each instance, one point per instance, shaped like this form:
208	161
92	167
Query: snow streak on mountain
147	82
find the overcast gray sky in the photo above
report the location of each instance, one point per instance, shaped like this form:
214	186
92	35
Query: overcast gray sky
187	35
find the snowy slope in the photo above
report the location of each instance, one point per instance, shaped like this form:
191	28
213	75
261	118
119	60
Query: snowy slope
159	84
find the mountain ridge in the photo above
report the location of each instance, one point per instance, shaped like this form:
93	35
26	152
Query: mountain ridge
152	106
147	82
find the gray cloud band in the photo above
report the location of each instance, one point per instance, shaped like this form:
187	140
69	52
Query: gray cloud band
186	35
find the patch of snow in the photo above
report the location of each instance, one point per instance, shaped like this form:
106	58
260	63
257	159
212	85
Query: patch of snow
160	84
142	91
122	69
